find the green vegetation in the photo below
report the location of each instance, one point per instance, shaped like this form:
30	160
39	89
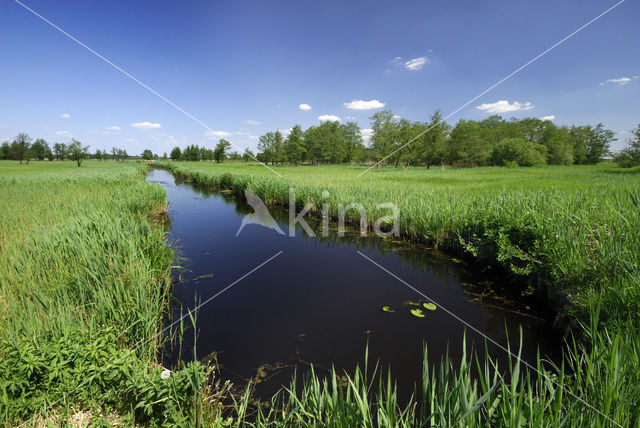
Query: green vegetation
630	156
84	284
573	228
84	280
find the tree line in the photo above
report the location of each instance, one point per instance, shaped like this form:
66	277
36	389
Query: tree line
492	141
23	149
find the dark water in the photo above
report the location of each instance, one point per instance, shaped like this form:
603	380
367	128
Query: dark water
321	302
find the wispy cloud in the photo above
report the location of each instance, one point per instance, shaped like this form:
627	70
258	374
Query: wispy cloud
217	134
63	133
416	63
503	106
328	118
550	117
364	105
112	128
252	122
305	107
146	125
620	81
65	116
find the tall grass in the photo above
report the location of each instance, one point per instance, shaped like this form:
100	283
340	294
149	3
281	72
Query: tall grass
84	278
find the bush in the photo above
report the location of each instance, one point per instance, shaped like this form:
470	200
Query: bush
518	150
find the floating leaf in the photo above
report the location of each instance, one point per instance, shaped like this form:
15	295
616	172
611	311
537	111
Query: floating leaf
417	312
388	309
208	275
411	303
429	306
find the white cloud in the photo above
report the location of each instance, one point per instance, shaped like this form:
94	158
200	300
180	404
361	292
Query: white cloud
328	117
253	137
129	140
112	128
416	63
397	116
550	117
503	106
364	105
252	122
285	131
305	107
351	118
3	126
146	125
366	133
217	134
63	133
620	81
65	116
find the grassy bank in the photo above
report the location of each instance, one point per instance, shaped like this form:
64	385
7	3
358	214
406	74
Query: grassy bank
84	286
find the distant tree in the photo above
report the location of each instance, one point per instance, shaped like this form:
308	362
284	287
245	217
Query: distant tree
5	150
248	155
40	149
235	156
434	141
353	143
60	151
598	143
630	155
191	153
99	155
176	153
294	146
21	147
384	135
220	150
119	154
467	146
164	156
267	147
147	155
77	151
518	151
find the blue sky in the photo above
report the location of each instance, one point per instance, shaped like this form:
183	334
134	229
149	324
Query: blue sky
244	68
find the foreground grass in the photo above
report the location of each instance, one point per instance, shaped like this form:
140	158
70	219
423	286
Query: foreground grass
84	286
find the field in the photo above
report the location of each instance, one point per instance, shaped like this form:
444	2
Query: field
84	286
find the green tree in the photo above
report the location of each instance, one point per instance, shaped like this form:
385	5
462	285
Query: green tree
77	151
630	155
147	155
467	146
176	154
219	153
598	143
248	155
60	151
295	146
267	147
21	147
434	141
40	149
518	151
5	150
383	137
353	143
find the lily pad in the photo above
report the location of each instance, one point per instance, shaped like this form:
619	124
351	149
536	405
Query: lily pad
429	306
388	309
417	312
411	303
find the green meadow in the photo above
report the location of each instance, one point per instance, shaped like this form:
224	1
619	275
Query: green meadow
85	291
